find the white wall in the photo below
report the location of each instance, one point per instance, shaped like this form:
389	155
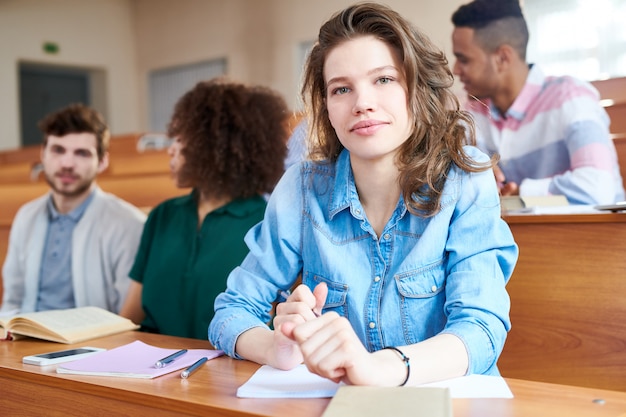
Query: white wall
299	20
96	34
259	38
129	38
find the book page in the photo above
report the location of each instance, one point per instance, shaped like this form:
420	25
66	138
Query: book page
71	325
5	318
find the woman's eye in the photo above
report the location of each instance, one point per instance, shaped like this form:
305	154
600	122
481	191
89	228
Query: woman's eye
341	90
384	80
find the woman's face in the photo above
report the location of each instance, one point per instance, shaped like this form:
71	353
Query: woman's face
366	98
177	160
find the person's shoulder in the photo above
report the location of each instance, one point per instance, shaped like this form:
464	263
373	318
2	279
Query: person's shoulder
567	87
176	207
315	171
475	154
32	207
302	178
174	202
116	207
475	157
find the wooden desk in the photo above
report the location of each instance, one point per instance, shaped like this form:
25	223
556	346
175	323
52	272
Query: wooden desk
29	390
567	293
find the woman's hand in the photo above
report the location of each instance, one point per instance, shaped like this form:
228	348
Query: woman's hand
330	347
301	306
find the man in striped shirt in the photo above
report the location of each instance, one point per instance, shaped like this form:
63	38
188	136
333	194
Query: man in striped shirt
550	132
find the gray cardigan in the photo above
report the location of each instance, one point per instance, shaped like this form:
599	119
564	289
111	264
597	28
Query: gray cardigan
104	244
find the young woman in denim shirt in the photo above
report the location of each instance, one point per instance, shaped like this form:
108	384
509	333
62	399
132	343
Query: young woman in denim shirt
394	225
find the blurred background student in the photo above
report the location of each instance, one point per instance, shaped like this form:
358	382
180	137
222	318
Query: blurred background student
73	246
229	146
551	133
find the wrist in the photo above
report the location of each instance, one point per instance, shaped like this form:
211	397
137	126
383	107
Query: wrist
407	364
283	353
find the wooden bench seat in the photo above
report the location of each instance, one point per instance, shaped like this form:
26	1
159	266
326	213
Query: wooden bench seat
16	166
16	173
141	190
148	162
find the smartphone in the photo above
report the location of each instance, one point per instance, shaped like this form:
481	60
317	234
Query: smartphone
52	358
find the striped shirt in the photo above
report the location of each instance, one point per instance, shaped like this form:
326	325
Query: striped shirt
554	139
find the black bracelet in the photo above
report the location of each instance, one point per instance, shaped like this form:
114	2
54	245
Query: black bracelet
405	359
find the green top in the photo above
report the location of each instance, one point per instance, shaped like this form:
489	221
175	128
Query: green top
182	268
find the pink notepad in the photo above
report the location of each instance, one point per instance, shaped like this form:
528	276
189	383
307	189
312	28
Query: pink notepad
134	360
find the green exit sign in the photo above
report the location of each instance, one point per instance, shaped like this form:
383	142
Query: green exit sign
51	47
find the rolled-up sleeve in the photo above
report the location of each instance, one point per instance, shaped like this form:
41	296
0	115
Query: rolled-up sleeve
272	265
481	257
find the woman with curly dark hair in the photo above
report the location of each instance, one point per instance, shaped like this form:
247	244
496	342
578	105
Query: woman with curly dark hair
229	146
394	226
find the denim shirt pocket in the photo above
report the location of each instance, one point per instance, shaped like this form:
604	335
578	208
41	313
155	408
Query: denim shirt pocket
422	300
337	293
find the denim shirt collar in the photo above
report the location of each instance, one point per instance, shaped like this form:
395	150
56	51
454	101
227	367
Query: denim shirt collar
345	194
344	188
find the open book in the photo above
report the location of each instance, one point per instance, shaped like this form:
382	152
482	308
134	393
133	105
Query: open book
529	204
72	325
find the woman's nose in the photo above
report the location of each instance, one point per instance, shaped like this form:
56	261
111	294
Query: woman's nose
364	102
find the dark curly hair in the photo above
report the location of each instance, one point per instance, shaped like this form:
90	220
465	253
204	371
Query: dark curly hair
234	138
440	128
77	118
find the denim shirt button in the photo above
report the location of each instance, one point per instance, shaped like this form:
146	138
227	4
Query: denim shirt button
372	325
387	236
376	278
358	211
433	288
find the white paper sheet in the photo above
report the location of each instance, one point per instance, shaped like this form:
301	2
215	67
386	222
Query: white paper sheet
268	382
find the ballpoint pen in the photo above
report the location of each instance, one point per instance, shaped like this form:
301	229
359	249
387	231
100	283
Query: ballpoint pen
169	359
193	368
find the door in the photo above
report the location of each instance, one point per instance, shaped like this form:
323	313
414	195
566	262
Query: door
44	89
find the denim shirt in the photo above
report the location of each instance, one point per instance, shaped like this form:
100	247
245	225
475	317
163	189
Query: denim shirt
422	277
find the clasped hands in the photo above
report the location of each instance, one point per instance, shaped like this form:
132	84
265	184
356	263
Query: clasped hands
327	344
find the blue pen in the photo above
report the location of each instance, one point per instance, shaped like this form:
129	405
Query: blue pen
169	359
193	368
